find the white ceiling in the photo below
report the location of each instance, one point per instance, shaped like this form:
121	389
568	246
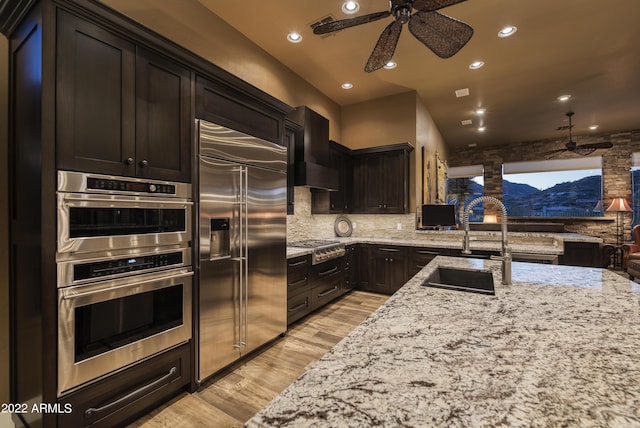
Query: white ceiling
586	48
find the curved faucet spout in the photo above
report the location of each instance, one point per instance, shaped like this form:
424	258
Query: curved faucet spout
505	254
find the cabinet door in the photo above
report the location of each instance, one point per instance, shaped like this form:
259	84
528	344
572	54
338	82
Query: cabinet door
292	131
373	184
394	182
95	99
163	118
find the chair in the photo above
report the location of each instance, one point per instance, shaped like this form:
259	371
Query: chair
631	251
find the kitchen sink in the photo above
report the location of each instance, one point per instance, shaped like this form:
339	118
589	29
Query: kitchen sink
473	281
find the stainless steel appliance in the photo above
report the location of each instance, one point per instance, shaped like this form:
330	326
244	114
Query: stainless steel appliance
242	247
322	250
98	213
125	274
107	325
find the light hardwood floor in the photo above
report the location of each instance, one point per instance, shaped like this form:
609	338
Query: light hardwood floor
234	397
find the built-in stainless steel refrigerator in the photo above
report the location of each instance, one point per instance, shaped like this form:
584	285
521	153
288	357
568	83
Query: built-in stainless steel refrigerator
242	248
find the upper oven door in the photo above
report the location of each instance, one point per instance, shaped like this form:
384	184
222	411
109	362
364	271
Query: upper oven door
89	223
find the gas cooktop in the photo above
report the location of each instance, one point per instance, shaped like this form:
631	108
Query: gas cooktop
322	250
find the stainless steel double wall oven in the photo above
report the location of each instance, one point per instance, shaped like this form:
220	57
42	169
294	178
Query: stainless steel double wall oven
125	274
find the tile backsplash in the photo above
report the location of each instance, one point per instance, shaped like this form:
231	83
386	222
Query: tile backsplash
304	225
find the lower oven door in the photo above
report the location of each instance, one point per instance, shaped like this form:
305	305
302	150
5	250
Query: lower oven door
106	326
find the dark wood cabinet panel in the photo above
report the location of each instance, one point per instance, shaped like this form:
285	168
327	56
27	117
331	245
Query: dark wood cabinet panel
121	110
163	118
298	288
381	180
390	268
137	389
419	257
95	98
220	104
336	202
351	267
292	132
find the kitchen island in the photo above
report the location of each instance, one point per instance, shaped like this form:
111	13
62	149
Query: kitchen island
559	347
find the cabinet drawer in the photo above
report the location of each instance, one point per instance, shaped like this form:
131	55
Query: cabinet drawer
298	306
326	271
327	291
297	274
130	393
420	257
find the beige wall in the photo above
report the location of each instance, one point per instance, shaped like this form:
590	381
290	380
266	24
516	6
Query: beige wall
4	224
199	30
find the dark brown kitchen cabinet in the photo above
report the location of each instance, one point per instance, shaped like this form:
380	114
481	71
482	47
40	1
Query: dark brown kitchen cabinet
351	267
120	109
292	131
390	268
381	179
298	288
134	393
419	257
327	282
336	202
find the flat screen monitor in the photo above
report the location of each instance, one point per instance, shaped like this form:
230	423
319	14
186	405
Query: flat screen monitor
438	215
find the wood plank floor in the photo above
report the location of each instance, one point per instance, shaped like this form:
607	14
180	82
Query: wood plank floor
234	397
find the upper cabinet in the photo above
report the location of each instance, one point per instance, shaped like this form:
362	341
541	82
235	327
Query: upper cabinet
372	181
120	109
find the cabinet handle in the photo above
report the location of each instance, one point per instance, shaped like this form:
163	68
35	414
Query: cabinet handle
326	293
144	162
432	253
295	284
389	250
329	272
132	395
300	306
303	262
129	161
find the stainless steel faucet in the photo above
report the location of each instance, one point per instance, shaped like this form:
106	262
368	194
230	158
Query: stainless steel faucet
505	254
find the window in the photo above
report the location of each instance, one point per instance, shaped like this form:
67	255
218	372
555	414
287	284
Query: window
554	188
466	183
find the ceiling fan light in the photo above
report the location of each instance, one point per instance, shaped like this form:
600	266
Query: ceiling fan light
507	31
350	7
294	37
476	65
390	65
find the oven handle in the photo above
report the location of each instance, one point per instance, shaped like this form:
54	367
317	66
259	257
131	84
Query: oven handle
69	197
90	412
127	285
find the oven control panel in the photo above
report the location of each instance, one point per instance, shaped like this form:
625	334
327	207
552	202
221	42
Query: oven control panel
129	186
125	265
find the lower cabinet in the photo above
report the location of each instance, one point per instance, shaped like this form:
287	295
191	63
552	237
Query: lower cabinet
298	288
129	394
419	257
389	268
327	282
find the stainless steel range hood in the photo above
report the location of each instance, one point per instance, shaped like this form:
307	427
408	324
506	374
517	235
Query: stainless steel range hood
312	151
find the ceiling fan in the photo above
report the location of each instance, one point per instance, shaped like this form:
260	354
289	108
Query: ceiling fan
581	149
444	35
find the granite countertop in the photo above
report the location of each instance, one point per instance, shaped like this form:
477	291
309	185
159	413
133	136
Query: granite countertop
520	242
558	347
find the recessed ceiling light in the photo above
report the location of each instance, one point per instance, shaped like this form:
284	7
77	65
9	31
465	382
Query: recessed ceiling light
350	7
482	129
390	65
593	127
563	98
507	31
476	65
480	111
347	85
294	37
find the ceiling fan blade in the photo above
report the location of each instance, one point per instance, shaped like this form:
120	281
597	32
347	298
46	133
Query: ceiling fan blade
445	36
330	27
601	145
553	153
385	47
431	5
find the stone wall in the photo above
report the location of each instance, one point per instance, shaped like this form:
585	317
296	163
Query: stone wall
616	177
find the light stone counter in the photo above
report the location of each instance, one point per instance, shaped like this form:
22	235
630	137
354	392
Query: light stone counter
559	347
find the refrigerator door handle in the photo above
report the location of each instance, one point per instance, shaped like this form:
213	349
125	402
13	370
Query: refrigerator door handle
244	242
